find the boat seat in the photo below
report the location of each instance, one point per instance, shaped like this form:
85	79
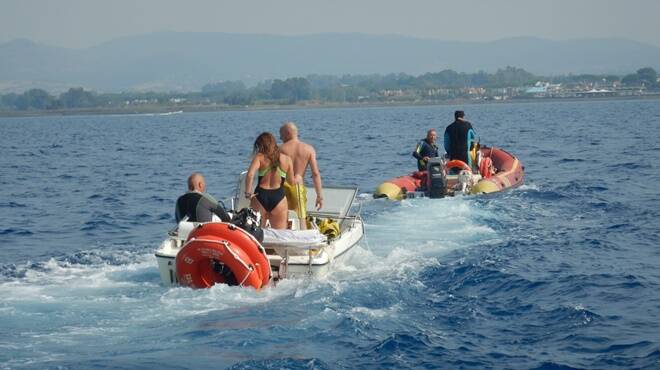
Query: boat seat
184	228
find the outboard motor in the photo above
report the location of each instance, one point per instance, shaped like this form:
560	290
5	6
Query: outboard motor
437	177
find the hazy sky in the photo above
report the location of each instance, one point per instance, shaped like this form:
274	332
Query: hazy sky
81	23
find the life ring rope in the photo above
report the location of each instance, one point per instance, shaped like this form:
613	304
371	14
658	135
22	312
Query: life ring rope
246	276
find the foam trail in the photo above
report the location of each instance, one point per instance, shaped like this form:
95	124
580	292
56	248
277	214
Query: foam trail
404	238
430	225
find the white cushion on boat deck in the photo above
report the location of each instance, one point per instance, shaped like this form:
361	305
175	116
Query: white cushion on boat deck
303	239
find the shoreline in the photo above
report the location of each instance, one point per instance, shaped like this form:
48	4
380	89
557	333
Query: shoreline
176	109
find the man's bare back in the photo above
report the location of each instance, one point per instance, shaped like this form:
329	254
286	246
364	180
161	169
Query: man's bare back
300	153
303	155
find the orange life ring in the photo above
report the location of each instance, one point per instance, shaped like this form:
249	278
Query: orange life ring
486	167
457	163
216	244
244	240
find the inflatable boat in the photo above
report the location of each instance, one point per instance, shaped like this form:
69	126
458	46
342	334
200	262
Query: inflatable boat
496	170
200	255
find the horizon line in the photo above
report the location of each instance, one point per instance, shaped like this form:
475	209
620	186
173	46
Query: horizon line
375	35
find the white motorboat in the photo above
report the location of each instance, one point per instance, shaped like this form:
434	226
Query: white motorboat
218	252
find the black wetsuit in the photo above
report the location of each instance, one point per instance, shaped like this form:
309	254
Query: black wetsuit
199	207
424	149
459	137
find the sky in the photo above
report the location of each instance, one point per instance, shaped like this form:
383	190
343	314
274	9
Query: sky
84	23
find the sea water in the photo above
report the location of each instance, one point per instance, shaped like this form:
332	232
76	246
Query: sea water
562	272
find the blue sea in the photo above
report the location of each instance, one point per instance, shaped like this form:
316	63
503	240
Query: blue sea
560	273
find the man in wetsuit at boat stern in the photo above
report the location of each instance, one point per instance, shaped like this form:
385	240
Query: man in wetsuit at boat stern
459	138
425	149
197	205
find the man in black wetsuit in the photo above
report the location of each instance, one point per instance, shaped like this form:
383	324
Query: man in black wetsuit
426	149
459	138
197	205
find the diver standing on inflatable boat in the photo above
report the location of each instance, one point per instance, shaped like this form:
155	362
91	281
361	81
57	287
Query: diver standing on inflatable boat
425	149
303	155
459	138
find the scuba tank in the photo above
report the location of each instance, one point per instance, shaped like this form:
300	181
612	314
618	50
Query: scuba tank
436	177
248	219
475	154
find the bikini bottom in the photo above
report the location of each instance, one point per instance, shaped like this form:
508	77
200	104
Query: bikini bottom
269	198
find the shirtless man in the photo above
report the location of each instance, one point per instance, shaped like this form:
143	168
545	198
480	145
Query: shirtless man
303	155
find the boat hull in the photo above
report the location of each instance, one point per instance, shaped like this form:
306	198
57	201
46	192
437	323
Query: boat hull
284	263
397	188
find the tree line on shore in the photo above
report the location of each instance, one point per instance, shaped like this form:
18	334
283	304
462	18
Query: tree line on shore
375	88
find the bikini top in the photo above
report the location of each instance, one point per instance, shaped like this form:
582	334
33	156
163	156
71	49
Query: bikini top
264	171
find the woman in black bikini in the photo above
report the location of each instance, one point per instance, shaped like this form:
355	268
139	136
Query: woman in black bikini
273	169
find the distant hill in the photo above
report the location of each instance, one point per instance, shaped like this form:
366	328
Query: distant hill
187	61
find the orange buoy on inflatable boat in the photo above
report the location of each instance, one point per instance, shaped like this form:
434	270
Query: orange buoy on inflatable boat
219	252
457	163
486	168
